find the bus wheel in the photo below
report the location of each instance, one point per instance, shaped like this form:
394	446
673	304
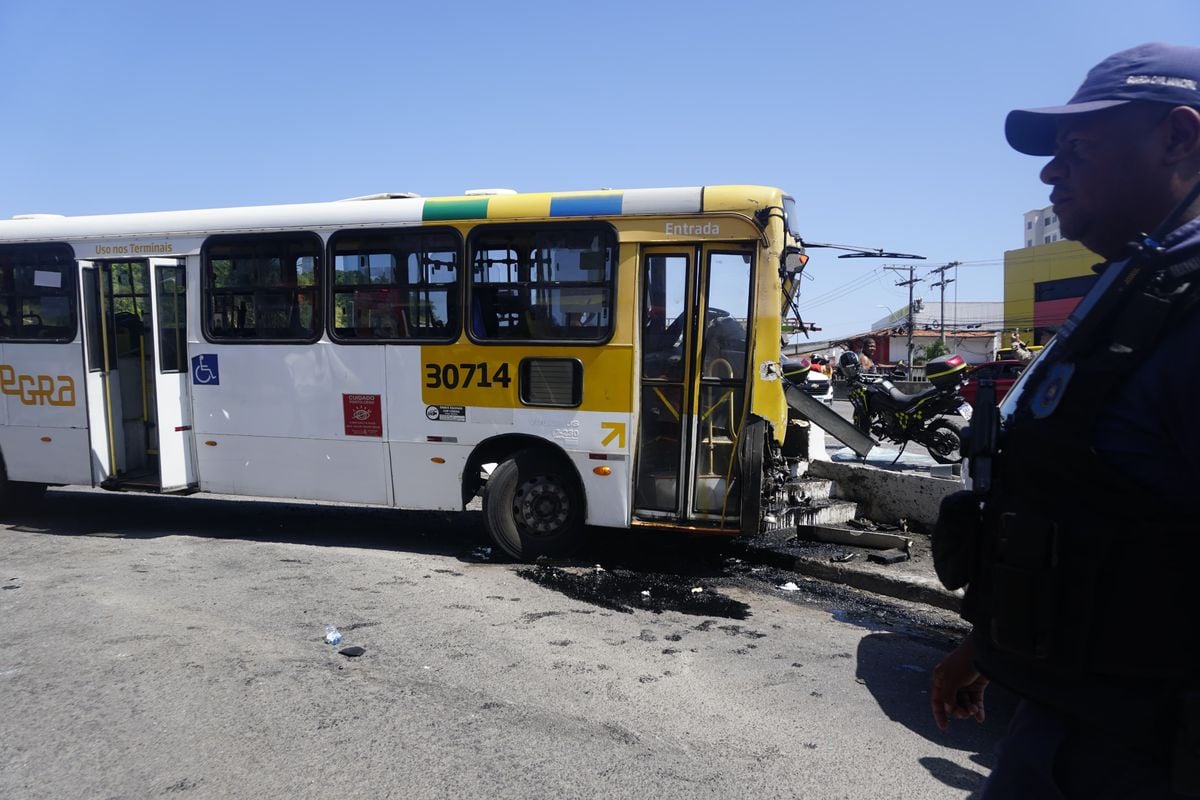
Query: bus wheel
532	507
751	452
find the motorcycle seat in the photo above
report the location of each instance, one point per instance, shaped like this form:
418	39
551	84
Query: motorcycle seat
902	398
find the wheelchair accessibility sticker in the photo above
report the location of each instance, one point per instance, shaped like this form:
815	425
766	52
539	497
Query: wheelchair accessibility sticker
205	370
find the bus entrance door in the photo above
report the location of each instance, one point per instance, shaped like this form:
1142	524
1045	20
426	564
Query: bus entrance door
103	406
176	445
693	379
135	336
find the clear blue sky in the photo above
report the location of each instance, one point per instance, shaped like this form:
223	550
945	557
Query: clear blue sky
884	119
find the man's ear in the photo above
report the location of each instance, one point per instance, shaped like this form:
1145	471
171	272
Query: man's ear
1183	135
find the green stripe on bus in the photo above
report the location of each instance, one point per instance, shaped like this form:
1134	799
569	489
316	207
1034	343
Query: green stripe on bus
455	209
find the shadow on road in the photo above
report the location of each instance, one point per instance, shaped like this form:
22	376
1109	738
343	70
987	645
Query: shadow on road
458	534
72	513
888	664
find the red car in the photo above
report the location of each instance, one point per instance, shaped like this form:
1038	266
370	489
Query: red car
1004	373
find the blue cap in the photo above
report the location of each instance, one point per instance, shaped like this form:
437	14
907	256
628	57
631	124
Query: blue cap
1157	73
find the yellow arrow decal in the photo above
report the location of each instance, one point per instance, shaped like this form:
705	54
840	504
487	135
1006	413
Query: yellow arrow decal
618	433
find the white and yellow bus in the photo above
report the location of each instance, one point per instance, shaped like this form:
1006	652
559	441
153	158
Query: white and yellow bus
606	358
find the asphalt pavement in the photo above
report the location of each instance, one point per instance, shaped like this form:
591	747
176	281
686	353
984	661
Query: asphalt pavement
174	646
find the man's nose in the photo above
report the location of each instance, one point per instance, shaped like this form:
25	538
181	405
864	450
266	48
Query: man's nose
1053	172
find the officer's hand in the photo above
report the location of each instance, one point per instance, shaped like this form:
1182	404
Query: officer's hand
957	687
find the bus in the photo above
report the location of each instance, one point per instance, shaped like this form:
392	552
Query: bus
599	358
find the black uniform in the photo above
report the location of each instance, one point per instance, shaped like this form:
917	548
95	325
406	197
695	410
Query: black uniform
1079	581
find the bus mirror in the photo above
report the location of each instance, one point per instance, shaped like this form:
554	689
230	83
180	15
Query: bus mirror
794	261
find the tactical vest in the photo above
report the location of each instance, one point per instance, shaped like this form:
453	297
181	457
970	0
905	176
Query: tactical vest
1078	572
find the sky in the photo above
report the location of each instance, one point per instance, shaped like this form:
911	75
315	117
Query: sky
883	119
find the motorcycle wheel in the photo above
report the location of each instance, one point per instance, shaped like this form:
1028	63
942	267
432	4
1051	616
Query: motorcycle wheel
943	440
862	422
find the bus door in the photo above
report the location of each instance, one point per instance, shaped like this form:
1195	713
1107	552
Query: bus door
176	454
695	304
138	410
100	407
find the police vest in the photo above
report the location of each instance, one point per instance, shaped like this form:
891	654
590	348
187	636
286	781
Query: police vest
1076	573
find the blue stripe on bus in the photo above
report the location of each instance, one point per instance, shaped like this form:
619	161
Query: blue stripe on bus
586	206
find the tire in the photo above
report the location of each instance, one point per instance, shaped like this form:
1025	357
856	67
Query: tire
533	507
943	440
862	422
751	452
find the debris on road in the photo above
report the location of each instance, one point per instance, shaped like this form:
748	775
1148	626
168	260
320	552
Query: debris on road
353	651
893	556
853	538
332	635
843	557
624	590
790	586
481	553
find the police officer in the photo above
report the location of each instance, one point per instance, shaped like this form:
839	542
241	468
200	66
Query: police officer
1076	560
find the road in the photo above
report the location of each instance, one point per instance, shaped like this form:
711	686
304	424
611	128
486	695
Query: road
173	646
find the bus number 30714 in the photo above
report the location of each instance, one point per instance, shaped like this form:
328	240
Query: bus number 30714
464	376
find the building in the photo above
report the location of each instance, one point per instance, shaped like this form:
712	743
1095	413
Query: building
972	330
1043	282
1042	285
1041	227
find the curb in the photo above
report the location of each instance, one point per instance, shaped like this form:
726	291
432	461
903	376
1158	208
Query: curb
908	585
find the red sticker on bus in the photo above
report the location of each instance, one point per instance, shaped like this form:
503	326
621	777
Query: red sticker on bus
363	414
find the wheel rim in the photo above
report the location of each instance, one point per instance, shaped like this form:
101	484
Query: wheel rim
542	506
944	442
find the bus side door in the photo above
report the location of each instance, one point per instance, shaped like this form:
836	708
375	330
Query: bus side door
176	445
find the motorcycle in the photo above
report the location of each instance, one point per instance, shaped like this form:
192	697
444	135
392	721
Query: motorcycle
883	411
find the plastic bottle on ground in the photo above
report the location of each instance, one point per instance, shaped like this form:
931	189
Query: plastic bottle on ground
332	635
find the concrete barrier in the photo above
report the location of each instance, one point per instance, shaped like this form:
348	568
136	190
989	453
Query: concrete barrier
887	496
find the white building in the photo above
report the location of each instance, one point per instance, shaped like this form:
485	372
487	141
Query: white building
1041	227
962	316
973	330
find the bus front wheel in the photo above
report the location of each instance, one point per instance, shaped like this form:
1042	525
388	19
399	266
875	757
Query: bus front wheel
533	507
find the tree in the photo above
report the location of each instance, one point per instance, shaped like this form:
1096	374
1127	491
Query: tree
935	348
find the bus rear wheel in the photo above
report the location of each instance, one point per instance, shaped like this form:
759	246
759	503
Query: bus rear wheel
532	507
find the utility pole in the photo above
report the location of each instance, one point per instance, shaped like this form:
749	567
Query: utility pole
909	283
941	271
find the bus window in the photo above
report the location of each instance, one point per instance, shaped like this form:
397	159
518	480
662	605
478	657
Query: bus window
262	287
395	285
664	314
544	283
37	293
172	318
725	328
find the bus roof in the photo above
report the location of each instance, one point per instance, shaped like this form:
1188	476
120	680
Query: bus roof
390	210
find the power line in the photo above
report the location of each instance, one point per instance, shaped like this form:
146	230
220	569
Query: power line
941	271
837	293
912	281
